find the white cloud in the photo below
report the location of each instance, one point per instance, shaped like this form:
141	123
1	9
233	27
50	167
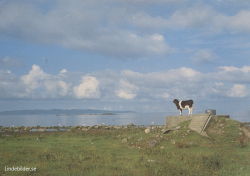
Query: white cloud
10	85
239	75
195	16
238	90
181	82
8	62
57	87
110	28
83	25
240	21
34	78
244	69
126	90
165	77
125	94
160	95
63	71
144	20
229	68
130	45
184	82
154	1
165	95
89	88
39	84
198	17
204	56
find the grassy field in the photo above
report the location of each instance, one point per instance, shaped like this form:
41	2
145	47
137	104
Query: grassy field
107	151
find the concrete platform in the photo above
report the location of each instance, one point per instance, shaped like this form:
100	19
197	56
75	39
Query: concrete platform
173	121
198	122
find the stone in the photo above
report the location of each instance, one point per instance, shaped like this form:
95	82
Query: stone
140	139
210	111
124	140
147	130
40	130
84	129
246	131
163	130
151	161
96	126
177	128
131	125
172	141
152	143
166	131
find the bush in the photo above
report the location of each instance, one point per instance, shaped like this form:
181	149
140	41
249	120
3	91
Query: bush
213	162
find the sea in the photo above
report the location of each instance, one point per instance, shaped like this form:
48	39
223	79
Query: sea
154	118
136	118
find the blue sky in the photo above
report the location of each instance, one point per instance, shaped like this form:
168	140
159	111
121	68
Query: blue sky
135	54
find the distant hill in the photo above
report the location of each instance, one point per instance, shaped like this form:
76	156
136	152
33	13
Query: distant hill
62	112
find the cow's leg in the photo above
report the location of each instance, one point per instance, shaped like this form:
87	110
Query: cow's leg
190	111
180	112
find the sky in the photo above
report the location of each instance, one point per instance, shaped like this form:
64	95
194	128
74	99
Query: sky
125	54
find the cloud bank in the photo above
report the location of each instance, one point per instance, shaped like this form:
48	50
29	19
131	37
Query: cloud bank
119	29
226	81
94	26
199	16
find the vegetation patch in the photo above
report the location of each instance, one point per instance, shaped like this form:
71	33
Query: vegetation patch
128	150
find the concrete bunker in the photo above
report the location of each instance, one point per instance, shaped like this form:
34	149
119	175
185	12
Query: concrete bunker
198	122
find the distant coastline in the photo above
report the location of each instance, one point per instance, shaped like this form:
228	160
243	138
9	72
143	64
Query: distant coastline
62	112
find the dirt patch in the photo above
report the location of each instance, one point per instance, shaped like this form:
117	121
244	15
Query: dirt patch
246	131
245	135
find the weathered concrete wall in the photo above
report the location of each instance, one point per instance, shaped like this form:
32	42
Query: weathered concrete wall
173	121
198	122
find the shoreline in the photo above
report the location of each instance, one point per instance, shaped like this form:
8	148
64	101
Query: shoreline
26	129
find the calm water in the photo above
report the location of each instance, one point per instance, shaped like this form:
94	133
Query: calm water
85	120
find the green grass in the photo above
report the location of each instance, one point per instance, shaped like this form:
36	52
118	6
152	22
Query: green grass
128	152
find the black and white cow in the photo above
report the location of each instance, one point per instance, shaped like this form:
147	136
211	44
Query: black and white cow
185	104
